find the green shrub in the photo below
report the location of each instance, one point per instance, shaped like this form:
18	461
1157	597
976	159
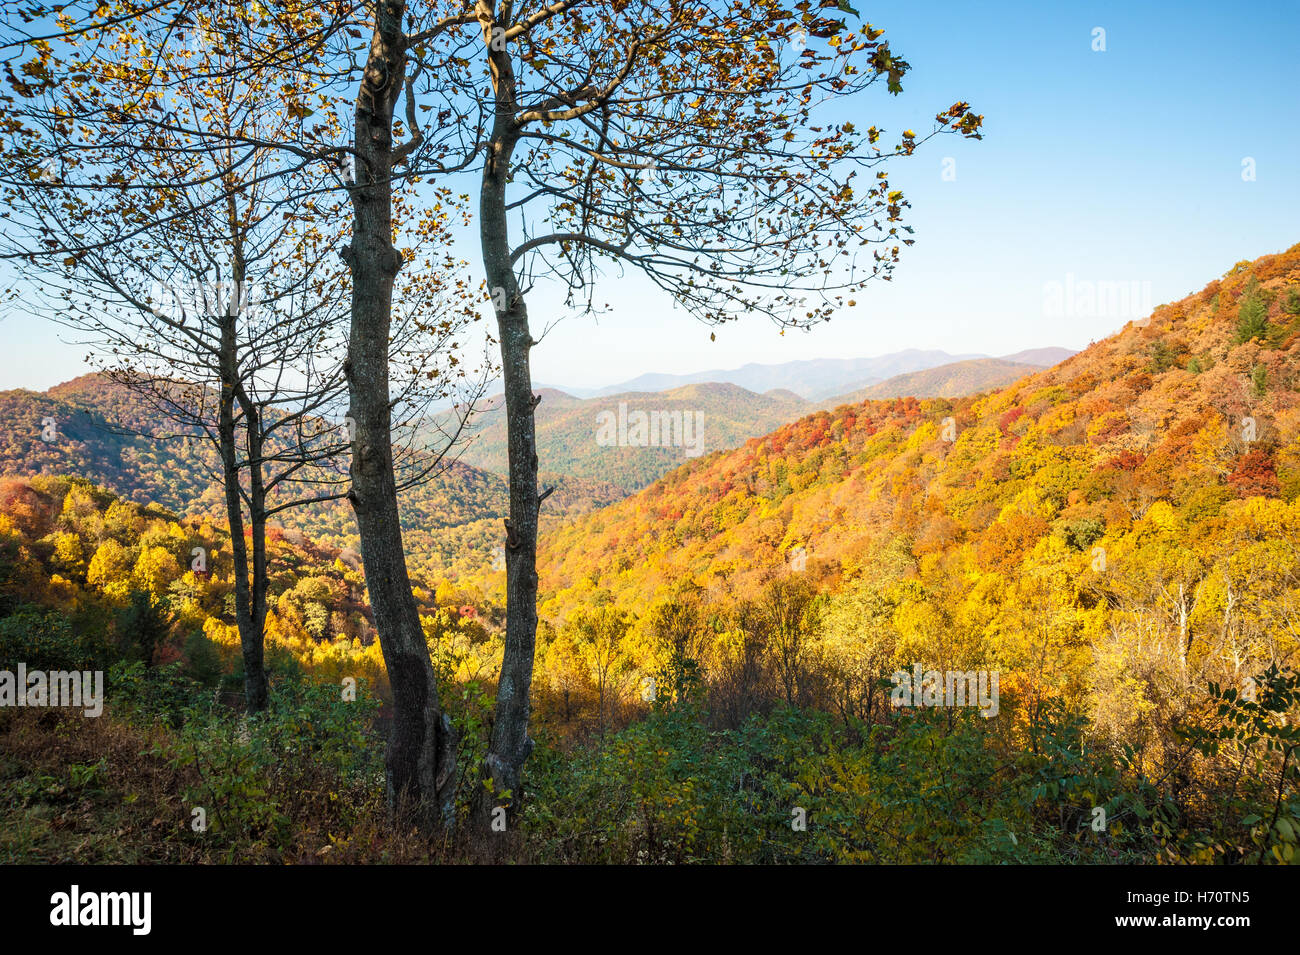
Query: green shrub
1164	356
1083	533
143	625
204	659
1261	822
49	640
158	695
797	786
254	774
1259	381
1252	317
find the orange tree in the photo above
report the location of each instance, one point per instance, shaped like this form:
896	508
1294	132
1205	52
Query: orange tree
701	142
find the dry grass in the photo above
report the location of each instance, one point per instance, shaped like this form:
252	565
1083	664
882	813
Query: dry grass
76	790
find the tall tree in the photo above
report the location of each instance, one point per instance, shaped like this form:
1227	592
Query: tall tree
153	198
700	142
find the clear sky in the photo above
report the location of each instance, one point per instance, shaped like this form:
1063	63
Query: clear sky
1117	166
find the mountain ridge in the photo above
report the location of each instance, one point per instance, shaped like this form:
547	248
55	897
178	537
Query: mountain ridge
1146	418
943	381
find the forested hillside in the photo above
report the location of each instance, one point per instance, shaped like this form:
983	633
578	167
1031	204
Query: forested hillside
111	435
111	568
724	416
1117	538
1181	426
946	381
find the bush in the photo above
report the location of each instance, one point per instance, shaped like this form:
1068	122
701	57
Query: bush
48	640
796	786
1083	533
143	626
1259	381
1165	356
1252	318
147	696
203	659
309	756
1261	822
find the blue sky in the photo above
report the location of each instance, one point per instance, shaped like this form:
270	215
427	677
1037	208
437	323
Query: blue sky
1115	166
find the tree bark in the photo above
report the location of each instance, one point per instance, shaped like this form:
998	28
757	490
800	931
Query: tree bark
250	595
510	744
421	753
254	647
251	635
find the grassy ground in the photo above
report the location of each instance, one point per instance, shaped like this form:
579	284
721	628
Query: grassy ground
74	790
77	790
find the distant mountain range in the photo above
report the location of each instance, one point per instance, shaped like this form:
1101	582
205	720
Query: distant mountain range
101	428
704	417
101	432
945	381
819	378
728	413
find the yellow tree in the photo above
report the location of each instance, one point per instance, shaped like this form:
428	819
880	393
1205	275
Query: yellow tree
692	141
157	188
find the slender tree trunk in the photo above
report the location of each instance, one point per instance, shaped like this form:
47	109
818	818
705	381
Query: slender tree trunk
250	630
510	744
249	624
255	646
249	595
1184	642
421	754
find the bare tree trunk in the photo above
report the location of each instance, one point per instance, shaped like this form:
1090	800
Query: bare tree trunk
421	754
250	629
250	596
510	744
255	646
1184	638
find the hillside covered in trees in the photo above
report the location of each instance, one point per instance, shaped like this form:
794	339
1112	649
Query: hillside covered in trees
1116	537
97	429
722	416
1118	531
1185	418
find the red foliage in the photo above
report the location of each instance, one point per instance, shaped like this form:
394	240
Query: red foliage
32	512
1255	475
1011	417
1139	381
165	654
1126	461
